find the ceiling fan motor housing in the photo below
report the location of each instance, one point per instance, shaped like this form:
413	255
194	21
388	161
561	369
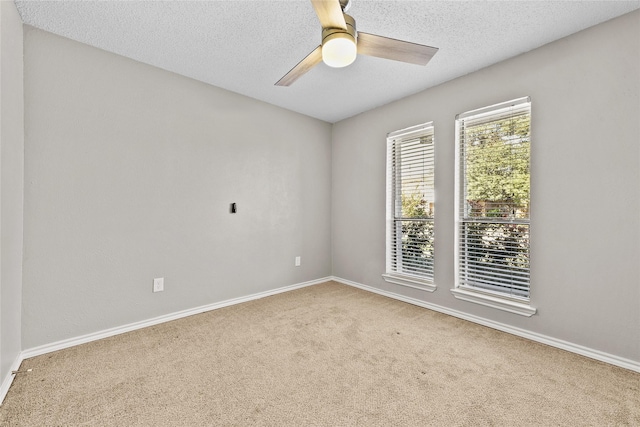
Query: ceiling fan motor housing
331	33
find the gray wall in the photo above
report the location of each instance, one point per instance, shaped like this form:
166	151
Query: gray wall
129	173
585	221
11	184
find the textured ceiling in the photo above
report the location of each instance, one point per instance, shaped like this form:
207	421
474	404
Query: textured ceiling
246	46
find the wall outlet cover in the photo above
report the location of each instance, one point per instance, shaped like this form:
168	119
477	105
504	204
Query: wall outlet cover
158	284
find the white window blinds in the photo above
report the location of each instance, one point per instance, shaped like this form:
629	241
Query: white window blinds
411	202
493	186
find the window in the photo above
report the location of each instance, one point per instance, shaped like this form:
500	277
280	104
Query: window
410	207
492	206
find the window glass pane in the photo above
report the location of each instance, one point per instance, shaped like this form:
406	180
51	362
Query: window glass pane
496	257
497	168
412	251
416	177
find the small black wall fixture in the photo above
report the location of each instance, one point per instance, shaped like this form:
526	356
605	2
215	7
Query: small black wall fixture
233	208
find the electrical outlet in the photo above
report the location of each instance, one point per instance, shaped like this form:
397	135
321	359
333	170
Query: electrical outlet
158	284
297	261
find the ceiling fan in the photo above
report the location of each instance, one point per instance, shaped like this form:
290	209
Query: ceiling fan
341	43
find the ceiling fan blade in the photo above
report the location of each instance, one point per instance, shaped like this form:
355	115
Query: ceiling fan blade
329	13
303	66
398	50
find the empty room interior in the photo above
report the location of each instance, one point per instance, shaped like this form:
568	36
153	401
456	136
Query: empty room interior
206	221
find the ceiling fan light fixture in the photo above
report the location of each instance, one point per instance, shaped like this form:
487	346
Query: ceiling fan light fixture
339	50
339	47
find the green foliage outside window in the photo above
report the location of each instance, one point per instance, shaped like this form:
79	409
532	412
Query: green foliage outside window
497	168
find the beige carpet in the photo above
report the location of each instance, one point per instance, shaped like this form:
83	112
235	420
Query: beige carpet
325	355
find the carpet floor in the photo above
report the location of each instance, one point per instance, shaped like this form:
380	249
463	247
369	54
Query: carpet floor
325	355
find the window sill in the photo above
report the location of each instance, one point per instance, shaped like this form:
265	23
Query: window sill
411	282
504	304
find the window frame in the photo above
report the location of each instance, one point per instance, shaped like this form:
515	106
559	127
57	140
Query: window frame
393	276
491	298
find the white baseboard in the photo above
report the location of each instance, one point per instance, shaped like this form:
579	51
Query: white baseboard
8	379
59	345
554	342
